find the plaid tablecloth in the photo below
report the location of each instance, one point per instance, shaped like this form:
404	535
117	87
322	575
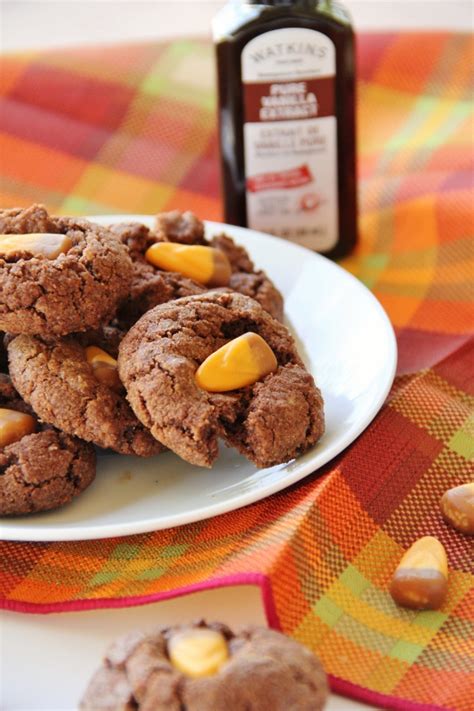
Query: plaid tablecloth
132	129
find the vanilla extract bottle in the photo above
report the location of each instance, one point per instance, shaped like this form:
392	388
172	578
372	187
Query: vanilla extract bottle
287	120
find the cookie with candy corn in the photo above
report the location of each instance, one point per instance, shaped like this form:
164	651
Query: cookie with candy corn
217	365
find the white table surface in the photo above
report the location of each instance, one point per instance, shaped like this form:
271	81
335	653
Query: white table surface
28	24
45	660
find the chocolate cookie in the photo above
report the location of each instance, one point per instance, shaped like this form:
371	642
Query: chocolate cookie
186	228
78	289
271	421
255	669
59	383
44	469
150	286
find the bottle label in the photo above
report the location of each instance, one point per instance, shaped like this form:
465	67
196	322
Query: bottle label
290	136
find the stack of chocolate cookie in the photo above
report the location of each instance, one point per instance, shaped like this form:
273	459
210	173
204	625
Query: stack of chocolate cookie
136	340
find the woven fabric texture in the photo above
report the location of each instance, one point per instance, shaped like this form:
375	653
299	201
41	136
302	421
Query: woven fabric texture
131	129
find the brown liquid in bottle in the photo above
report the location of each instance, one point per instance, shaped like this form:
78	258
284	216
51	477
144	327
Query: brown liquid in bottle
286	118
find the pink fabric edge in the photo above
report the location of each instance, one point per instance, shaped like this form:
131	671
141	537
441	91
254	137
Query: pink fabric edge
374	698
339	686
258	579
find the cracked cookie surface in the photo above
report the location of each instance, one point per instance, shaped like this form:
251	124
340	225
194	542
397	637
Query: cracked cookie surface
43	470
271	421
152	286
247	280
182	227
75	291
186	228
59	384
265	670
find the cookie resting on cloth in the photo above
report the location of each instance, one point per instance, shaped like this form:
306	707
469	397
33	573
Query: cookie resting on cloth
56	379
271	421
264	671
77	290
42	470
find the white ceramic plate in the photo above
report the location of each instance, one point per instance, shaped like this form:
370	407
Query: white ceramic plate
348	344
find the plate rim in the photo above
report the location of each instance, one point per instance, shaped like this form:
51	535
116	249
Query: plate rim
59	533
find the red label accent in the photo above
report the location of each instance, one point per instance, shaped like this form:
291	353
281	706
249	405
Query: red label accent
293	178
